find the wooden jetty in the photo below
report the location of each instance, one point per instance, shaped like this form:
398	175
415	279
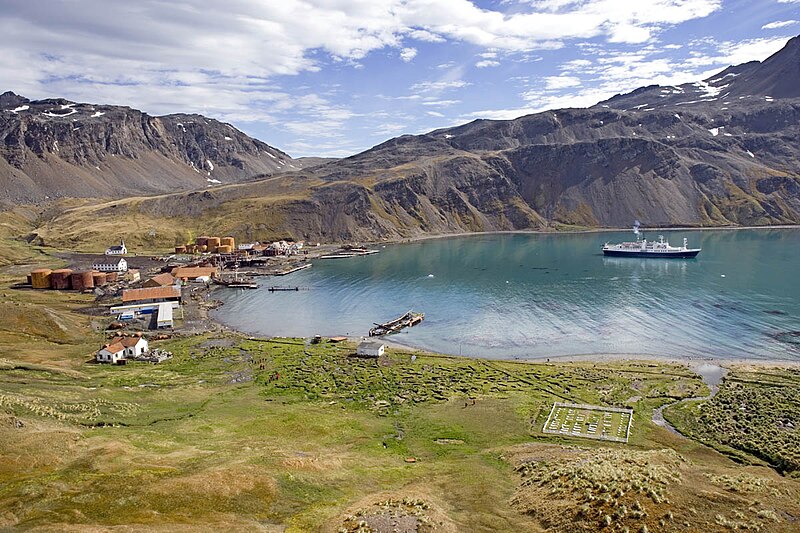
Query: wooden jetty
393	326
295	269
240	285
355	252
279	289
237	282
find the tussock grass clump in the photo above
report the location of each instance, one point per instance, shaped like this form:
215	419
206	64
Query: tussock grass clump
612	487
743	483
406	514
87	412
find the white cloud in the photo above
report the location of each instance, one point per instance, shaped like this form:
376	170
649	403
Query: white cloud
441	103
435	114
438	86
152	37
734	53
389	128
487	63
407	54
555	83
612	73
778	24
426	36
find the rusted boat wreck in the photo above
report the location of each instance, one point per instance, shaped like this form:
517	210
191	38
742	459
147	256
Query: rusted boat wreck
393	326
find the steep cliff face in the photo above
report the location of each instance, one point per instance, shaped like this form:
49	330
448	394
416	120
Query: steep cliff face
56	148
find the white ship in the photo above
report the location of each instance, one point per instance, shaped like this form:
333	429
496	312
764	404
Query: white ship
644	248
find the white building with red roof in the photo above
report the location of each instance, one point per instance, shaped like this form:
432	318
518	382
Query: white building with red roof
120	348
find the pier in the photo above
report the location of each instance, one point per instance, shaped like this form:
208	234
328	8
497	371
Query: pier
408	320
295	269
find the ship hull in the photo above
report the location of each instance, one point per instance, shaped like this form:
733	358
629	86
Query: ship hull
680	254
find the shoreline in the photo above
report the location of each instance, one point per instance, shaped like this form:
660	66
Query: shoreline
688	361
691	362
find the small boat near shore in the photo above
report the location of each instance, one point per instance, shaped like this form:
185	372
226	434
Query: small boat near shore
408	320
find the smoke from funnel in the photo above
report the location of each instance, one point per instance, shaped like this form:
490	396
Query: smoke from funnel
636	225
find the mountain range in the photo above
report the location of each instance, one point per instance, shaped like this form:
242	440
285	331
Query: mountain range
721	151
56	148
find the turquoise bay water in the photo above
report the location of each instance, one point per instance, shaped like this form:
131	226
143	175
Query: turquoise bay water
535	296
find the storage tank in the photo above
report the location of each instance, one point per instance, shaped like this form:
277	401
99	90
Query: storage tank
99	278
59	279
180	249
228	241
82	280
111	277
40	278
191	248
212	242
224	249
200	241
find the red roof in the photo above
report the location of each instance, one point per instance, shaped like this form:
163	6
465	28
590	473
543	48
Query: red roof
125	341
151	293
114	347
194	272
163	279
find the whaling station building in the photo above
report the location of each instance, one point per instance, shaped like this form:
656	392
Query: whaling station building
117	264
161	301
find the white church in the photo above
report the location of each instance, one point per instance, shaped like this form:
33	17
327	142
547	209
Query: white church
117	250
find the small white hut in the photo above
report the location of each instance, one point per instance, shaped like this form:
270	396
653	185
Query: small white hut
370	349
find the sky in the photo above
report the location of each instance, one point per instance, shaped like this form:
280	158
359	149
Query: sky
335	77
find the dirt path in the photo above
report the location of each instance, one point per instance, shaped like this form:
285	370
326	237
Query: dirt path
712	376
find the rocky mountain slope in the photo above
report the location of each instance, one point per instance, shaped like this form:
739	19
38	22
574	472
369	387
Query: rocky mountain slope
722	151
56	148
716	152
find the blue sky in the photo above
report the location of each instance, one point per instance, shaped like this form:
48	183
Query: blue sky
334	77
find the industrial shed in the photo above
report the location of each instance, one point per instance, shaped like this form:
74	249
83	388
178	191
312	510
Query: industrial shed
151	295
195	273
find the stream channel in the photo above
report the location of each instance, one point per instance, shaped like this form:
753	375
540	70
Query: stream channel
712	376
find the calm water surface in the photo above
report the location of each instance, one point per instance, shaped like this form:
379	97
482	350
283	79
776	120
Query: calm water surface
536	296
